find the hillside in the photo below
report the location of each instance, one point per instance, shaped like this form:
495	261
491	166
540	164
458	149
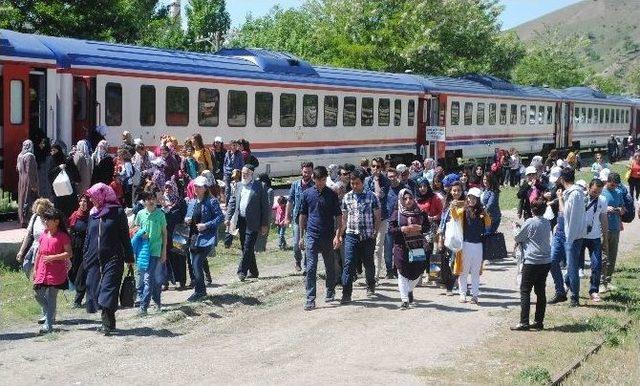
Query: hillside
610	25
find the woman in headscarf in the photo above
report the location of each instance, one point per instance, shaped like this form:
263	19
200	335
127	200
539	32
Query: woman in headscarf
59	162
127	143
78	222
107	247
172	164
84	163
43	159
415	170
27	168
103	165
175	208
407	225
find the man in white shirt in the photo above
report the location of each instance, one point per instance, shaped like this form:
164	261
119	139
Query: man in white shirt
596	220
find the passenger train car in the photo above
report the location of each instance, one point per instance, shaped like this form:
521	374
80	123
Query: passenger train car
289	110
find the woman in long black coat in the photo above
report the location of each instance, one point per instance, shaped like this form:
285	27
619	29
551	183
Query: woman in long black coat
59	162
408	225
107	247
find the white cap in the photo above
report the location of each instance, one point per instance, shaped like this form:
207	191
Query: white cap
530	170
217	139
604	175
476	192
582	183
554	174
401	168
137	141
561	163
201	181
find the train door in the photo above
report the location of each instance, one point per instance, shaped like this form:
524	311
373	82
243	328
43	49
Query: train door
84	107
563	125
37	104
431	113
15	120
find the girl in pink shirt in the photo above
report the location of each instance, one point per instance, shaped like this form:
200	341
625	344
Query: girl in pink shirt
51	266
279	209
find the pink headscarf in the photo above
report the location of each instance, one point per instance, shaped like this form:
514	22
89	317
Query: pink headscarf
190	190
104	199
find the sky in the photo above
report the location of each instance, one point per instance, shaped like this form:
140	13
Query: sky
516	11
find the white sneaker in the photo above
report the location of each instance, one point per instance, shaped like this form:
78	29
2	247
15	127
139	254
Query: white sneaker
581	273
463	299
449	293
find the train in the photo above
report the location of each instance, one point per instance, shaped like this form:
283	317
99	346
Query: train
289	110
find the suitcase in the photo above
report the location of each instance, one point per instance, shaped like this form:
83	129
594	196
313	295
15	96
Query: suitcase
494	247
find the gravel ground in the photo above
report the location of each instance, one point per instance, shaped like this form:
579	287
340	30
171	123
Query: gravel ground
256	332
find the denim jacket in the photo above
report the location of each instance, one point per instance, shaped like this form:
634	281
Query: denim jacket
232	161
212	217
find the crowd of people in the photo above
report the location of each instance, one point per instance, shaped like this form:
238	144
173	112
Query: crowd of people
90	213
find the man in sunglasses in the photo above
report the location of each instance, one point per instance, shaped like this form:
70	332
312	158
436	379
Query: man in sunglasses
379	185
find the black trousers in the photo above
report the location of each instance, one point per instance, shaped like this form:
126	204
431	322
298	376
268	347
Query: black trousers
446	274
534	276
634	187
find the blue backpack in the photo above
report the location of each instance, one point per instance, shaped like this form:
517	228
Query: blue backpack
629	208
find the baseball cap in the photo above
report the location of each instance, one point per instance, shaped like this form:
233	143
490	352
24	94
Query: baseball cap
401	168
554	174
201	181
475	192
530	170
217	139
604	174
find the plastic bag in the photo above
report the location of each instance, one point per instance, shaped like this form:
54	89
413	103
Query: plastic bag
453	236
62	185
548	213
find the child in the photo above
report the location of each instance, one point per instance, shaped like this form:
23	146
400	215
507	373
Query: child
51	265
190	166
151	274
116	185
279	220
125	171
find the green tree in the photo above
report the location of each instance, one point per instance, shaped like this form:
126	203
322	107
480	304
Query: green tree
163	31
207	19
606	84
425	36
554	61
634	81
111	20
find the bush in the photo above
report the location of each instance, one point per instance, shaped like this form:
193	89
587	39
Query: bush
7	204
537	375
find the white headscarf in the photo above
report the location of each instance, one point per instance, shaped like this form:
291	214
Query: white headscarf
100	152
27	147
82	147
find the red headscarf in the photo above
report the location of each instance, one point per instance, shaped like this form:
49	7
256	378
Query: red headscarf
80	214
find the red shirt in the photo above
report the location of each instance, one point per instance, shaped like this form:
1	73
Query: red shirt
432	207
53	273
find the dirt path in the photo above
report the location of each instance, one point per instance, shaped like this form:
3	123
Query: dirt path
257	332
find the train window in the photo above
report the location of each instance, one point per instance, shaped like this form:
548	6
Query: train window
513	119
384	112
492	113
17	102
411	113
79	100
503	114
532	115
237	108
595	116
617	116
540	115
208	107
366	113
397	116
590	115
626	116
468	113
576	114
177	103
147	105
455	113
583	115
523	114
264	109
287	110
601	115
480	114
607	119
349	113
113	104
549	115
330	111
310	110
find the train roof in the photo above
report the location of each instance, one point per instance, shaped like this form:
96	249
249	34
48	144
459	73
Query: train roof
589	95
253	64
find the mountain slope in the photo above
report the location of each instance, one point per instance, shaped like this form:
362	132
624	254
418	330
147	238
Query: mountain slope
610	25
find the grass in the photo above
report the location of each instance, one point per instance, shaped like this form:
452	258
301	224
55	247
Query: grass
534	357
18	305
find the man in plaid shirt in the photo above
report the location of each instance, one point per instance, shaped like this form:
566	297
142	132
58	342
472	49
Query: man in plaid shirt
360	222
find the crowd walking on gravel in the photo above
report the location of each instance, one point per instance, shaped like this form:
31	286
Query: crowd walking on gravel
95	210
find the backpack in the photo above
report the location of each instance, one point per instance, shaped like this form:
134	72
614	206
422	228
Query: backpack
629	209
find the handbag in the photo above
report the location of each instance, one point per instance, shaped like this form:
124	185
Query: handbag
62	185
128	290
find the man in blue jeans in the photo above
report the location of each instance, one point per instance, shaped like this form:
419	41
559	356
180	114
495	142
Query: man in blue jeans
319	212
293	208
360	220
597	225
572	205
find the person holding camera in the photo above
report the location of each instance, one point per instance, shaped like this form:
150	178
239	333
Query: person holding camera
597	225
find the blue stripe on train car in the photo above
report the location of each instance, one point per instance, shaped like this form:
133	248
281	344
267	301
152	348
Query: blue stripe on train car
339	150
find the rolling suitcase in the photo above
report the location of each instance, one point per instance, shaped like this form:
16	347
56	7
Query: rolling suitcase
494	247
